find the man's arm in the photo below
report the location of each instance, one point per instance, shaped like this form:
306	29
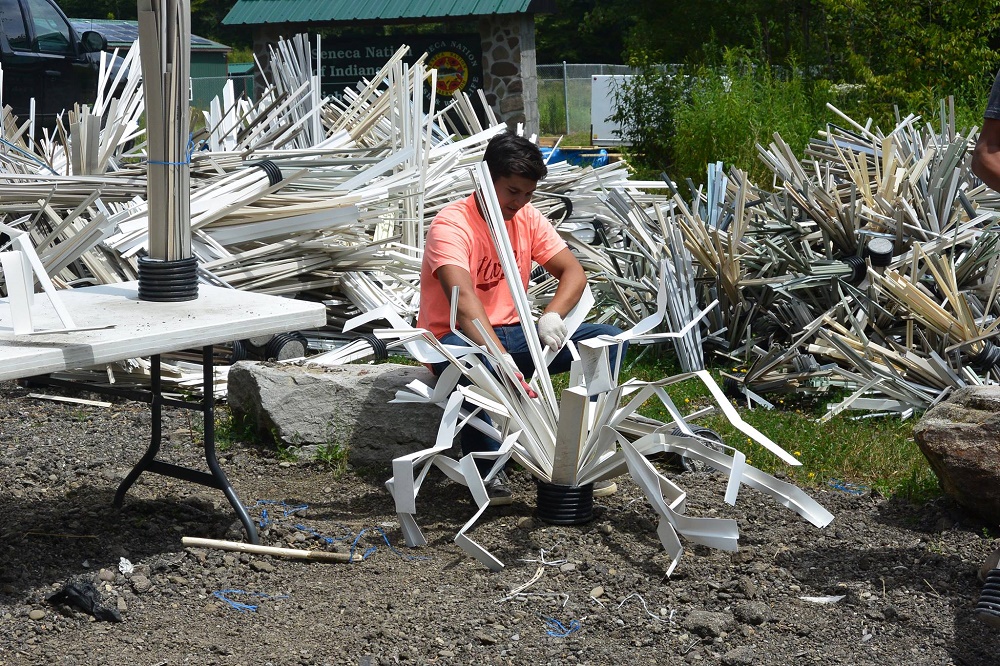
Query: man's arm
565	268
469	305
986	155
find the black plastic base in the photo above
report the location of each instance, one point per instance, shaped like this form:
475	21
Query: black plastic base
988	608
168	281
565	505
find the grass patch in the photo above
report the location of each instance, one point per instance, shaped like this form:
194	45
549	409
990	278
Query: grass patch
879	453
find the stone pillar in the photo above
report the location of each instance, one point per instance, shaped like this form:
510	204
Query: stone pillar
509	77
529	74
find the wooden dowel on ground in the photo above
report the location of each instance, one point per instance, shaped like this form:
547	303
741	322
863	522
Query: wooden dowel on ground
294	553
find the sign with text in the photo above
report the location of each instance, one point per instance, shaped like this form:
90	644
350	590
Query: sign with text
457	58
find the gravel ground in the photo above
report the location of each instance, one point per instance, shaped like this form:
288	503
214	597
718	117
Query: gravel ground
907	574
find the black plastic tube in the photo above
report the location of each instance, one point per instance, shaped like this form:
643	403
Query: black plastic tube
168	281
989	598
565	505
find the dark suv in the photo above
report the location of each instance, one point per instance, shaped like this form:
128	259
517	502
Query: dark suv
44	58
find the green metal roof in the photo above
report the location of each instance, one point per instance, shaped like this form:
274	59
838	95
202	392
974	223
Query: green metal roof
313	11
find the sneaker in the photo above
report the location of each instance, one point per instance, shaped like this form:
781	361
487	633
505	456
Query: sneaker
498	490
605	488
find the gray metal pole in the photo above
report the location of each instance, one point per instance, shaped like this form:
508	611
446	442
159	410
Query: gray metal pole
566	96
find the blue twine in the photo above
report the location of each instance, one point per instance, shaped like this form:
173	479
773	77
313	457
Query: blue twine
265	518
850	488
558	630
371	550
289	509
311	532
239	605
190	150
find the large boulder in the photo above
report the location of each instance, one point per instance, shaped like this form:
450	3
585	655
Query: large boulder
960	437
313	408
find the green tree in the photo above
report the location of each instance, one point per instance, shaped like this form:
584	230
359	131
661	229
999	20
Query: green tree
582	31
910	53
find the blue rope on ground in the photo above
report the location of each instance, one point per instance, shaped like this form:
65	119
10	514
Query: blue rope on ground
239	605
330	540
290	509
850	488
558	630
371	550
265	518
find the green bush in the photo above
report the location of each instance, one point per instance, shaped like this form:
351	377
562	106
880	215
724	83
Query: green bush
733	108
679	123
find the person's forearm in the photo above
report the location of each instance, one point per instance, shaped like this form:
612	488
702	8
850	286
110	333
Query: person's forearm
986	165
571	286
470	309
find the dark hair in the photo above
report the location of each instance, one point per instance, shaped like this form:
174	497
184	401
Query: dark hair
508	154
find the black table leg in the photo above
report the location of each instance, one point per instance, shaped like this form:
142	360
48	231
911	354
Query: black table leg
148	463
208	410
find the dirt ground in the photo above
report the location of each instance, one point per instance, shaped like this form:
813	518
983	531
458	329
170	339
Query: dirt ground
904	576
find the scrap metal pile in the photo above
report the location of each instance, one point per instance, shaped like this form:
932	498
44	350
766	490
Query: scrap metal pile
869	263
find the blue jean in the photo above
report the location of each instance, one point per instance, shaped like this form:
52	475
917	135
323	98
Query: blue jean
512	338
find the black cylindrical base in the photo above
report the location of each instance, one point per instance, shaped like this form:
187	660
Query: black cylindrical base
858	269
987	357
565	505
988	608
168	281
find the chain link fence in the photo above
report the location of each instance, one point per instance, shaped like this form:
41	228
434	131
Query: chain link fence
564	98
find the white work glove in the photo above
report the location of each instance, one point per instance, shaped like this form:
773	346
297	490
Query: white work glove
552	331
508	360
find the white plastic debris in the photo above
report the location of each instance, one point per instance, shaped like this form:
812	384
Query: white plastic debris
125	566
832	599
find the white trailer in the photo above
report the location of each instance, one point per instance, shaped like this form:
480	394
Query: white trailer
603	130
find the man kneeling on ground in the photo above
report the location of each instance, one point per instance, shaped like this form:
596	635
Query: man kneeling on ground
460	253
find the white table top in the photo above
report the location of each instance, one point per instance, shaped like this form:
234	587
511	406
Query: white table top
142	328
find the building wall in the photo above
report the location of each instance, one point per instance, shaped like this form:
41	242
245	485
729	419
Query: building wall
510	78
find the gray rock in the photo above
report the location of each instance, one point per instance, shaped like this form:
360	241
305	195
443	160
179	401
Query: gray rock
140	583
753	612
346	406
959	438
261	565
707	623
36	614
741	656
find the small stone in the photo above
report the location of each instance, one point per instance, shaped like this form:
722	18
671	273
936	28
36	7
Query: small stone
485	638
446	653
707	623
597	592
107	575
36	614
122	605
747	587
260	565
741	656
140	583
753	613
178	580
566	568
605	529
525	523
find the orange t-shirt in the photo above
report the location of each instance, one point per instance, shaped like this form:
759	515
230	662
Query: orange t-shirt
459	237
